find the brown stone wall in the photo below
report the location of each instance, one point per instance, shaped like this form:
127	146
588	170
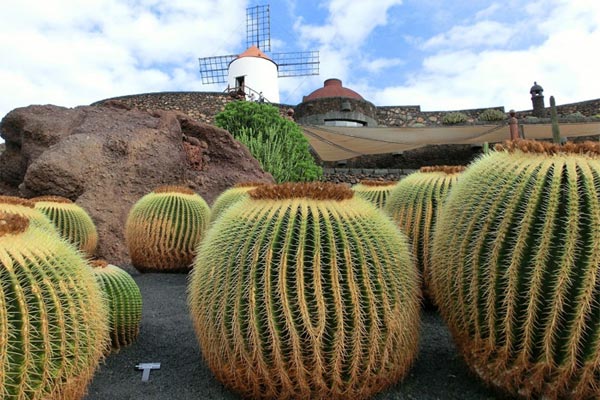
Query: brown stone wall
412	116
588	108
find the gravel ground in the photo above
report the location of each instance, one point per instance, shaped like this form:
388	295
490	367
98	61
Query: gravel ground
167	336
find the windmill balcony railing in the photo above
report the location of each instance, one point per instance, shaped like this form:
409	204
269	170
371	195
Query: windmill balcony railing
246	93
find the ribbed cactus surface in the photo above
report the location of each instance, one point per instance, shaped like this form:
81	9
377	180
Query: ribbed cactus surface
124	301
26	208
164	227
415	204
515	269
304	291
53	327
72	221
230	197
374	191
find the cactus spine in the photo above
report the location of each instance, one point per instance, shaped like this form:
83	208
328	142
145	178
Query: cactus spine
26	208
72	222
374	191
124	302
164	227
415	205
516	258
230	197
304	291
52	318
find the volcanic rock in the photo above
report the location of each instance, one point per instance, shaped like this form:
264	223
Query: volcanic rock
106	157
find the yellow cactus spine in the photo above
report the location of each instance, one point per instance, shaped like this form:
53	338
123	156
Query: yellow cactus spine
376	192
305	291
164	227
72	221
230	197
124	301
414	205
515	267
26	208
53	327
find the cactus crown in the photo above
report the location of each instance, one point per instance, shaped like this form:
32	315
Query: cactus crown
548	148
173	189
17	201
305	190
52	199
249	184
12	224
99	263
370	182
447	169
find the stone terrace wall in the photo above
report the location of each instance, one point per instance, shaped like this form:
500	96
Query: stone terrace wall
588	108
408	116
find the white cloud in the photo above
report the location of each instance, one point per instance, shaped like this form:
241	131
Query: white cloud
483	33
379	64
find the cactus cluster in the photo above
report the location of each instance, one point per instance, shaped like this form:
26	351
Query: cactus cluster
415	205
72	221
230	197
515	267
305	291
26	208
52	318
124	302
374	191
164	227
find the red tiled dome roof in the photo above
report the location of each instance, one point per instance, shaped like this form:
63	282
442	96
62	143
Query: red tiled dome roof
332	88
254	51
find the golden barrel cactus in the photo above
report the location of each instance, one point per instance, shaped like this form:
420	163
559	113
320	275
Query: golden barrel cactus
374	191
516	267
231	196
305	291
415	204
124	302
71	220
53	327
164	227
26	208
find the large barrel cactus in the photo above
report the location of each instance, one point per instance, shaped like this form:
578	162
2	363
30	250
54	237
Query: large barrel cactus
516	267
72	221
231	196
53	327
374	191
26	208
304	291
164	227
415	204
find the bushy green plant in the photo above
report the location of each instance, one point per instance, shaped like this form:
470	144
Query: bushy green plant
454	118
276	142
492	114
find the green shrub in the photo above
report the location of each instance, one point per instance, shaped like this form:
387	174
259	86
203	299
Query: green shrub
576	115
277	143
454	118
492	115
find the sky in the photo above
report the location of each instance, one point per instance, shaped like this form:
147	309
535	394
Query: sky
439	54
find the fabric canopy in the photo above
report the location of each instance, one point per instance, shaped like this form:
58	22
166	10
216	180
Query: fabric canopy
341	143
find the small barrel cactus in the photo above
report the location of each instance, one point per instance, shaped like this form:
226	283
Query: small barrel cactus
164	227
231	196
124	302
53	323
515	267
305	291
26	208
414	205
374	191
72	221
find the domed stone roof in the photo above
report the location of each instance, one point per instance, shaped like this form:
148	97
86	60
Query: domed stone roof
536	88
332	88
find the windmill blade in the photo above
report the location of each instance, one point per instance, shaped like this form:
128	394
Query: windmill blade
301	63
214	69
258	27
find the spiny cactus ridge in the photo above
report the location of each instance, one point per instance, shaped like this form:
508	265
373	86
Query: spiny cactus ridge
515	267
53	327
230	197
72	221
124	301
376	192
303	291
26	208
164	227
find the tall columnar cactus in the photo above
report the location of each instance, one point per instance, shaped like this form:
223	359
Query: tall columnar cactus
554	119
53	323
164	227
231	196
124	302
415	205
376	192
304	291
26	208
72	221
515	267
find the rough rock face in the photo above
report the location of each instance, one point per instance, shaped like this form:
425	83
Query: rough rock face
106	158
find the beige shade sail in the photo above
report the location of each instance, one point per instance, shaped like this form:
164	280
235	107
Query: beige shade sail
341	143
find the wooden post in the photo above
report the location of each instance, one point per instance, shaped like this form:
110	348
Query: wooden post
513	125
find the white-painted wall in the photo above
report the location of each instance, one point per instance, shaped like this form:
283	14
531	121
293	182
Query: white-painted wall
260	75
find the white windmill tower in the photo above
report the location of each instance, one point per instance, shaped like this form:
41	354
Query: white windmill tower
254	74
